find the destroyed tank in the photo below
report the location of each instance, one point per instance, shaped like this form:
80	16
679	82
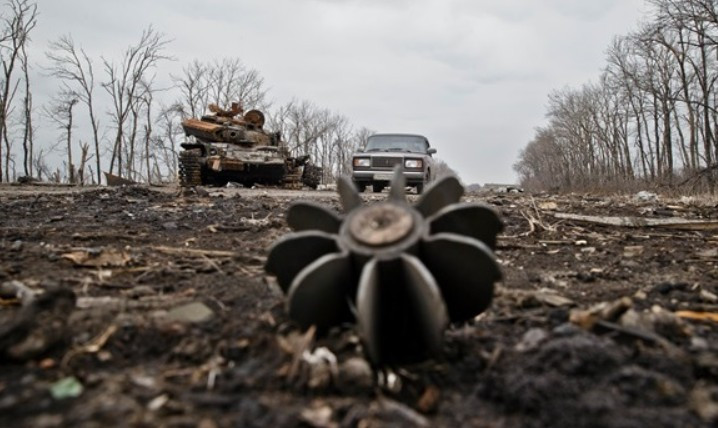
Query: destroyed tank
232	146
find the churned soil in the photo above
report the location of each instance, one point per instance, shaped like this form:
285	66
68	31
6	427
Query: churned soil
150	306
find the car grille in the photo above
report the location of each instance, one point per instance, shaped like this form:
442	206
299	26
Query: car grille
385	162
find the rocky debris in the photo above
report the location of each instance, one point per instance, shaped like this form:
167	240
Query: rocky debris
579	334
38	326
196	312
355	376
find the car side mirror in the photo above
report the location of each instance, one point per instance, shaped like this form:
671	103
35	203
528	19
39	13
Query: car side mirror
431	151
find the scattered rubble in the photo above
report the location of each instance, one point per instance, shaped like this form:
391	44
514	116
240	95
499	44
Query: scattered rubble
596	323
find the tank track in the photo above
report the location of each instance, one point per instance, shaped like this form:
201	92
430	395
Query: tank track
312	175
190	169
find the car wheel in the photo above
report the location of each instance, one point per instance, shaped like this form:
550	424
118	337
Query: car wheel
377	188
420	189
360	186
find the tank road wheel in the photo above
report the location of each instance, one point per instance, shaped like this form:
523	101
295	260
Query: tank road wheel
190	169
312	175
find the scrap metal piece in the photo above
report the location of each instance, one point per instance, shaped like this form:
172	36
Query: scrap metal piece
115	180
478	221
441	193
348	194
397	192
401	315
321	292
407	271
312	216
293	253
381	225
255	117
466	269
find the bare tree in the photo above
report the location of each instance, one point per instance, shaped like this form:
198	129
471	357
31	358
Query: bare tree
60	112
220	82
124	84
14	35
147	102
28	133
165	140
39	165
652	116
74	68
84	157
192	85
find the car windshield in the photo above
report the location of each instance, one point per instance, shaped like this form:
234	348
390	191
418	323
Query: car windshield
403	143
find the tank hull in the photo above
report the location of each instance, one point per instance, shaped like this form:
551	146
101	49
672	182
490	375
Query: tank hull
226	149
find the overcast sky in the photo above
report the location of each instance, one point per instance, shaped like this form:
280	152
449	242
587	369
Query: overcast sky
471	75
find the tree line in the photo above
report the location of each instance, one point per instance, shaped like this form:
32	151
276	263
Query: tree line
139	136
651	118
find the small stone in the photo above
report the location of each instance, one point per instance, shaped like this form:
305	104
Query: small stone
632	251
548	297
531	339
355	374
707	296
667	287
548	206
158	402
566	329
207	423
318	416
47	363
320	376
699	344
170	225
637	320
48	421
429	400
104	356
322	366
702	401
402	414
16	246
710	253
196	312
141	291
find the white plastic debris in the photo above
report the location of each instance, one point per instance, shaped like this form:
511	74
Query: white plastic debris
646	196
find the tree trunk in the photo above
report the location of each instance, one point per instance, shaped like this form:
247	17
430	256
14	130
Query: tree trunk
70	166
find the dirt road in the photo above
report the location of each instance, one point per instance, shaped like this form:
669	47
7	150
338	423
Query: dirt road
173	322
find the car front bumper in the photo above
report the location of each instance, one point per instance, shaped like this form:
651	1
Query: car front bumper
368	176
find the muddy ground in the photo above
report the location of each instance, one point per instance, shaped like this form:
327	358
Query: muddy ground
145	306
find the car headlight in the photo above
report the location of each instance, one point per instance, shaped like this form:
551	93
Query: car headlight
362	162
413	163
